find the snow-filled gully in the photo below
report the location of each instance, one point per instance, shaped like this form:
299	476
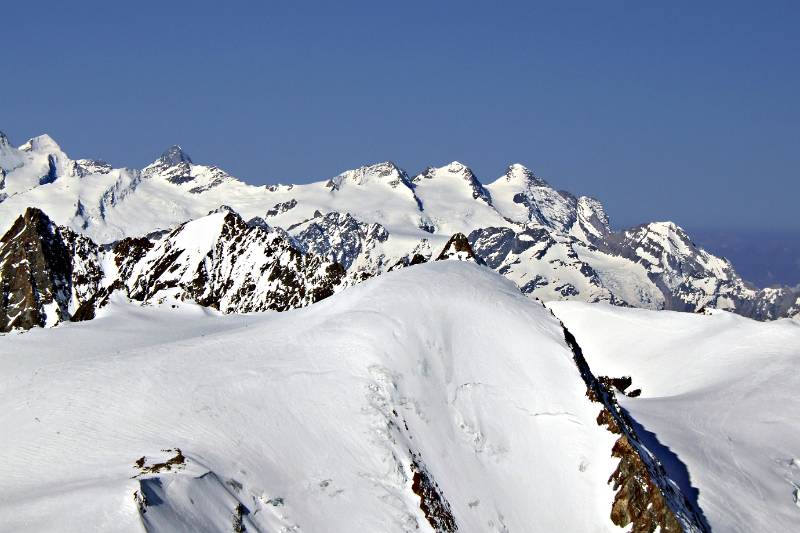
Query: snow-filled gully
646	496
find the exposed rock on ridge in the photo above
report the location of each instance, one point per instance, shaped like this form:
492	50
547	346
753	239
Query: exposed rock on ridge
50	274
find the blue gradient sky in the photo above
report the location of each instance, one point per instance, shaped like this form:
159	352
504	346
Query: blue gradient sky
683	110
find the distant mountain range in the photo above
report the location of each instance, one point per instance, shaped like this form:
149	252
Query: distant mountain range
186	230
764	257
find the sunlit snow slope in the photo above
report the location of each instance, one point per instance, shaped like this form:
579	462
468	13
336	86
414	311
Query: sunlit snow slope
326	418
721	391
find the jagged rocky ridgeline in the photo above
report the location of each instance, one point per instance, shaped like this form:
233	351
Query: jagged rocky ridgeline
50	274
376	218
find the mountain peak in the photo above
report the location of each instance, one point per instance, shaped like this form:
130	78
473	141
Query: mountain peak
36	267
458	248
174	155
521	174
42	144
3	139
380	170
457	167
386	171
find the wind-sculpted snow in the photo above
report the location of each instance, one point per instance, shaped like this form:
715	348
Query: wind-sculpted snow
432	398
718	392
376	217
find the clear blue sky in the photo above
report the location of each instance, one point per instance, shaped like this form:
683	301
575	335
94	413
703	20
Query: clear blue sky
671	110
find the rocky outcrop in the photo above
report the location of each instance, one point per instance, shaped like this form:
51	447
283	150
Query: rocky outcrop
50	274
220	261
35	273
458	248
646	498
342	238
431	501
540	262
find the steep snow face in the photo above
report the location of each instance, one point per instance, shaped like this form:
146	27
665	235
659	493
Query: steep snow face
37	162
440	380
720	391
661	246
591	223
522	197
691	278
454	201
380	193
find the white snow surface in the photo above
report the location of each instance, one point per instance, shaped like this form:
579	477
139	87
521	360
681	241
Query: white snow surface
720	391
307	418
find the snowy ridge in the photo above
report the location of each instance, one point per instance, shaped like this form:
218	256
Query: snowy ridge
380	409
719	391
552	244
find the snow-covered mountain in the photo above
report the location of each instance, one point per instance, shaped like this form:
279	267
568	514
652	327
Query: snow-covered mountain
435	398
441	397
50	274
718	393
552	244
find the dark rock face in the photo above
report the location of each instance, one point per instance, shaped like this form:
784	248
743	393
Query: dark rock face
174	155
35	273
431	501
281	207
646	498
246	269
409	260
47	273
340	237
459	248
50	274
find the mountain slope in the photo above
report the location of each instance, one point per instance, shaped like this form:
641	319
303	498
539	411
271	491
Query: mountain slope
719	391
435	397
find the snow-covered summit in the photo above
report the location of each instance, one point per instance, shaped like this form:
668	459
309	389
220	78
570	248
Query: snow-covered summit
555	244
522	176
41	144
386	172
459	171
